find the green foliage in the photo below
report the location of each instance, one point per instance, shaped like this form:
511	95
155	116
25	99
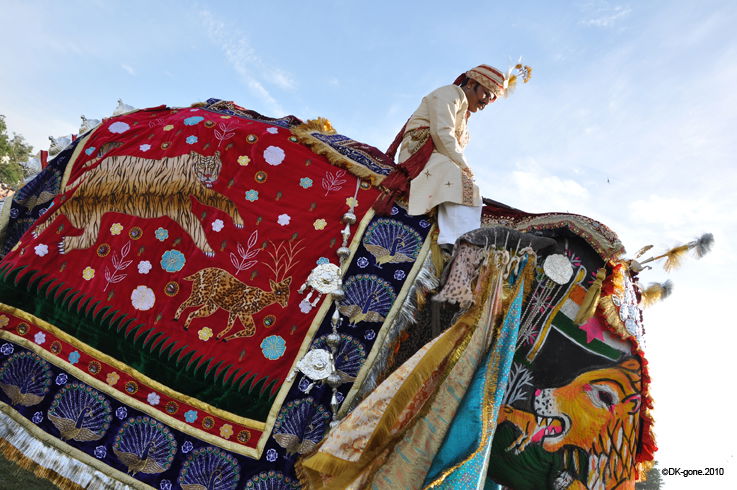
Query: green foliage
653	482
14	152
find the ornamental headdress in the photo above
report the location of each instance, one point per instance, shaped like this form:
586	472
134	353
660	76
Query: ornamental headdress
494	80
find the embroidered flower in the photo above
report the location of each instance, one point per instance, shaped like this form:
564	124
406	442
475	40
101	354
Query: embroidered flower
284	219
88	273
351	202
90	150
100	452
191	139
118	127
362	262
271	455
61	378
4	320
399	275
143	298
244	160
121	413
217	225
252	195
205	334
39	338
187	447
305	182
172	261
323	260
274	155
305	306
394	210
41	249
320	224
190	416
153	398
112	378
161	234
37	417
369	335
226	431
424	223
272	130
144	147
6	349
116	228
164	485
168	127
144	267
74	357
273	347
191	121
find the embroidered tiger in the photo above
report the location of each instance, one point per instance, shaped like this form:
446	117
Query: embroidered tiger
144	188
598	412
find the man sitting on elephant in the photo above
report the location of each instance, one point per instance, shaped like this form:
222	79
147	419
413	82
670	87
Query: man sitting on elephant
431	155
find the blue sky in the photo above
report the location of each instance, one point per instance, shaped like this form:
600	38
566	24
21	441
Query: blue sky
629	119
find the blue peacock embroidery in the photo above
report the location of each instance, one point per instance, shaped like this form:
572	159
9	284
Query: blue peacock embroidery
80	413
392	242
368	298
209	468
25	378
145	446
300	425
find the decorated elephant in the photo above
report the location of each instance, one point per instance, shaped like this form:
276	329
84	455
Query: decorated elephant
203	297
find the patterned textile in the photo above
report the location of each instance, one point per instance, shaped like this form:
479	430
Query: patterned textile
32	200
462	460
150	318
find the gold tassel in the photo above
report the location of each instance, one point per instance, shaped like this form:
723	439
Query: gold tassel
652	294
320	124
674	257
588	306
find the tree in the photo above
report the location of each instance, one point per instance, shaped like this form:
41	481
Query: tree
14	152
653	481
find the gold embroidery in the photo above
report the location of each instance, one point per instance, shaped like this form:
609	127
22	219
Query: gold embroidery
415	138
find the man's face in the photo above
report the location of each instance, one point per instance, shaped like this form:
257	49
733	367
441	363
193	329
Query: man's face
479	97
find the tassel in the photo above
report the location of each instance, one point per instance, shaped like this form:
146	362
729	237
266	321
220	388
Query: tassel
656	292
674	256
591	300
702	245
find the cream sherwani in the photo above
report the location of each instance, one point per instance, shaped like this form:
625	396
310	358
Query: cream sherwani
443	113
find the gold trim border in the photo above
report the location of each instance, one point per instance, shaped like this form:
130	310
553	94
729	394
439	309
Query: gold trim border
327	302
122	398
384	330
73	452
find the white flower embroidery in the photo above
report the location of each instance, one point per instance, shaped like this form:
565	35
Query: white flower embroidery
39	338
217	225
144	267
153	398
41	249
143	298
284	219
144	147
118	127
274	155
272	130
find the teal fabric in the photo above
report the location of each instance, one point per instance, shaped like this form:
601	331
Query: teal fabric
488	386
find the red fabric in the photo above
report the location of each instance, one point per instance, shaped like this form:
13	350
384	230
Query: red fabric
286	195
44	157
396	184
